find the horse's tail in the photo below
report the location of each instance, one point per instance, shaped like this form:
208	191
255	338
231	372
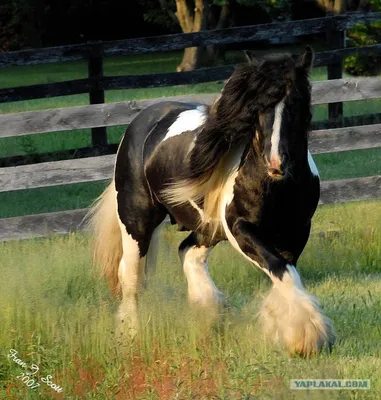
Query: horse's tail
107	237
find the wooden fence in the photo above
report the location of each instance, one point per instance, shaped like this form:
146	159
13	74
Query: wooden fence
99	116
96	83
100	168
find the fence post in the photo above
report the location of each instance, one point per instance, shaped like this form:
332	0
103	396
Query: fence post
96	95
336	40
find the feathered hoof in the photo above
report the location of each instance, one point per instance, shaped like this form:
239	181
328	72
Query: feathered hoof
311	338
296	321
215	302
126	319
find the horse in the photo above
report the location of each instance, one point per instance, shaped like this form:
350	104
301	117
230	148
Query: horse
238	170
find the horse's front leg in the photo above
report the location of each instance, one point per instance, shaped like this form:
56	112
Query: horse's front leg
202	291
289	314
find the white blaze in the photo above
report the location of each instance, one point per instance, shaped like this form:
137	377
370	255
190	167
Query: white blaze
187	121
275	137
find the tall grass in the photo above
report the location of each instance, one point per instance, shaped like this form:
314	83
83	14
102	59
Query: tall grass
57	314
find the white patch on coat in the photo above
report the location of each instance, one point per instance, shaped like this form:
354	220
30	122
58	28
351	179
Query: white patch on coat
291	316
187	121
201	288
312	165
275	137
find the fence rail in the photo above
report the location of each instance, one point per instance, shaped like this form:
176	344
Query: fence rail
103	83
96	115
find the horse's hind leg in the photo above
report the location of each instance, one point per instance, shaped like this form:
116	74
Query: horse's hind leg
201	289
137	225
131	279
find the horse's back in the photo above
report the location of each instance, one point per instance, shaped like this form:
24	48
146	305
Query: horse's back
168	144
143	136
155	152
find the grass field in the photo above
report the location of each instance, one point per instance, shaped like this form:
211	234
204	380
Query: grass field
58	315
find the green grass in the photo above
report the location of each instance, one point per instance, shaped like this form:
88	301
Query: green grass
57	314
54	141
49	199
349	164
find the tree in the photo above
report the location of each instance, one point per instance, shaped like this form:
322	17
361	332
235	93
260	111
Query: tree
197	15
333	6
194	16
359	35
364	35
20	24
190	21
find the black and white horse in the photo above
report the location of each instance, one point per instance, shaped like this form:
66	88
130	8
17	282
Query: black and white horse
240	171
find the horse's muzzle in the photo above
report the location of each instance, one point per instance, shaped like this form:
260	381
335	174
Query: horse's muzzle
276	168
276	173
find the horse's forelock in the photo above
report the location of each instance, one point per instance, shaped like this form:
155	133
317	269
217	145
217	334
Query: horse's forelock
257	86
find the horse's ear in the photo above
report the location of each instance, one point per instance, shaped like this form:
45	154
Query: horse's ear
251	58
306	59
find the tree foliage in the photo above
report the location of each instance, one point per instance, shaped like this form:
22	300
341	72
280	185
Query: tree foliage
163	12
364	35
35	23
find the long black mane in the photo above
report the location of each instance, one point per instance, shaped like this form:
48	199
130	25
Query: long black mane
252	88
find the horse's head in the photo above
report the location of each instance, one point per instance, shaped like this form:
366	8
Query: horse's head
283	110
272	96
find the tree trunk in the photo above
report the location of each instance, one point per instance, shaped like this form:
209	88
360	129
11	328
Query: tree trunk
214	53
339	6
200	18
333	6
190	60
189	23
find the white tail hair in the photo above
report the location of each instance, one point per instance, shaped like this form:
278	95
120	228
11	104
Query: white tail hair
107	237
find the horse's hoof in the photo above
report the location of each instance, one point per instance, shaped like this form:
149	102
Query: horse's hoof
297	322
311	339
